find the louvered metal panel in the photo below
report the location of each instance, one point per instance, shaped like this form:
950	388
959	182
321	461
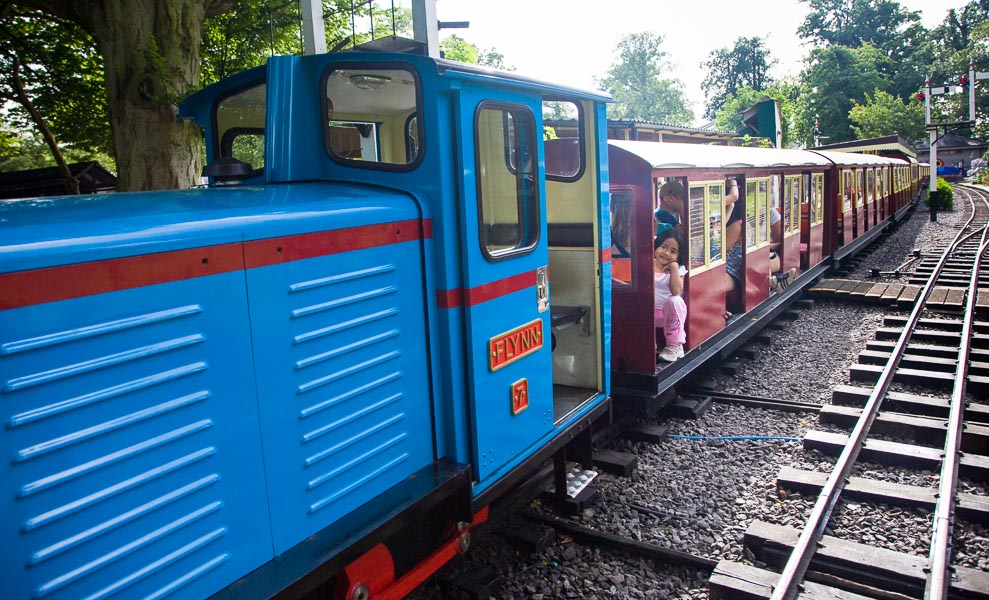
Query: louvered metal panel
131	444
343	382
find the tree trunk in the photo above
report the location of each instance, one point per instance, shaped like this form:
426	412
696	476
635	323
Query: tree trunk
150	50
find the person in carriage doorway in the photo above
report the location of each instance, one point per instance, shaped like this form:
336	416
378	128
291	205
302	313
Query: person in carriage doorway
670	309
735	280
777	281
669	215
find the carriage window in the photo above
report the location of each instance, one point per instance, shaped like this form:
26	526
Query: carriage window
871	185
621	238
791	203
715	224
762	208
860	193
847	183
757	210
240	126
696	206
508	206
372	117
750	210
563	135
819	178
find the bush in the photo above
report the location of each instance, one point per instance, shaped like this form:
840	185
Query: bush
943	198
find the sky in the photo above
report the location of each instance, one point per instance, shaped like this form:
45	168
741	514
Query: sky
573	41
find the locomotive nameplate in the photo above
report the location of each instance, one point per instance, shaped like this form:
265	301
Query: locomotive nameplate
508	347
520	396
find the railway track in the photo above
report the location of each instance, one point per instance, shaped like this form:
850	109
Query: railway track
944	355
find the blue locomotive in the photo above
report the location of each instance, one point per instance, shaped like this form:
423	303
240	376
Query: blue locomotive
388	307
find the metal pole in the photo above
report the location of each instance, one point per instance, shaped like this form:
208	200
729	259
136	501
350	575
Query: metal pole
425	27
313	30
932	186
971	91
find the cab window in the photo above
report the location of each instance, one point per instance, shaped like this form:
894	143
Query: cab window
372	117
563	139
507	193
239	121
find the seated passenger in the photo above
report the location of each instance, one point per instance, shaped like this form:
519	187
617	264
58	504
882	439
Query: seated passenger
670	212
669	308
777	281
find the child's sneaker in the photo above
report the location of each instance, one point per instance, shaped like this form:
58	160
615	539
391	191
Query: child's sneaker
671	353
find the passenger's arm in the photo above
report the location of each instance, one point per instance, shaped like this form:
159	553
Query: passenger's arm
676	282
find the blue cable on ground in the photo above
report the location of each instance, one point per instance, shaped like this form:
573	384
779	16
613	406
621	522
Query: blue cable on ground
736	438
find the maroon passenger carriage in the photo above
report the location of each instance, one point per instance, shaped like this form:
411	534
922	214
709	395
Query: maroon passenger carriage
820	216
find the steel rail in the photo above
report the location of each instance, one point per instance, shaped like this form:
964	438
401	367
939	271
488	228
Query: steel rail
793	573
939	561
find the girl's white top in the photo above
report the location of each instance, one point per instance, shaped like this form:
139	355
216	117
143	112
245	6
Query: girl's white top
662	286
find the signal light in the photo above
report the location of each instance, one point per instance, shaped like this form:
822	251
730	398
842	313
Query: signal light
963	81
921	96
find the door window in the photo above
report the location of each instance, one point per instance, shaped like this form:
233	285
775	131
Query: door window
507	188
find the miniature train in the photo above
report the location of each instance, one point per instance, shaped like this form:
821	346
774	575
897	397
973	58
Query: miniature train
391	305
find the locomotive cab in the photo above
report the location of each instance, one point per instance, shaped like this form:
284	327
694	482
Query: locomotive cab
510	218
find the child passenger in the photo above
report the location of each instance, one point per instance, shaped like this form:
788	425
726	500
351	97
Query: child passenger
670	309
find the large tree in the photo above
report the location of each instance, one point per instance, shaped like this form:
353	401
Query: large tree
896	33
834	77
883	114
853	23
746	65
638	87
151	59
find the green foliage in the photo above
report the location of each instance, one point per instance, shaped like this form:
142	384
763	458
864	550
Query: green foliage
746	65
942	198
854	23
833	78
636	83
28	150
963	36
246	36
729	118
884	41
884	114
457	48
62	75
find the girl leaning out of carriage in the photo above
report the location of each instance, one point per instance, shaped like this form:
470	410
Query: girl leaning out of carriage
670	309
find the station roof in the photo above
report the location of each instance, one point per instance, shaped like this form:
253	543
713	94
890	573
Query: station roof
878	145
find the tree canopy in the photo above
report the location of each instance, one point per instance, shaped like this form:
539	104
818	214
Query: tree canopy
746	65
883	114
638	87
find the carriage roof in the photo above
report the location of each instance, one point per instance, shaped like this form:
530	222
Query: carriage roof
662	155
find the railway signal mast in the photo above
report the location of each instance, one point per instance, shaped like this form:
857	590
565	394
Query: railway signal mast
965	83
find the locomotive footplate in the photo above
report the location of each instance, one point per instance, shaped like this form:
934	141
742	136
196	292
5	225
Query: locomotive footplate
401	519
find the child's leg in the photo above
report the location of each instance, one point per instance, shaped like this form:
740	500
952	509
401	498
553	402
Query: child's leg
675	315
